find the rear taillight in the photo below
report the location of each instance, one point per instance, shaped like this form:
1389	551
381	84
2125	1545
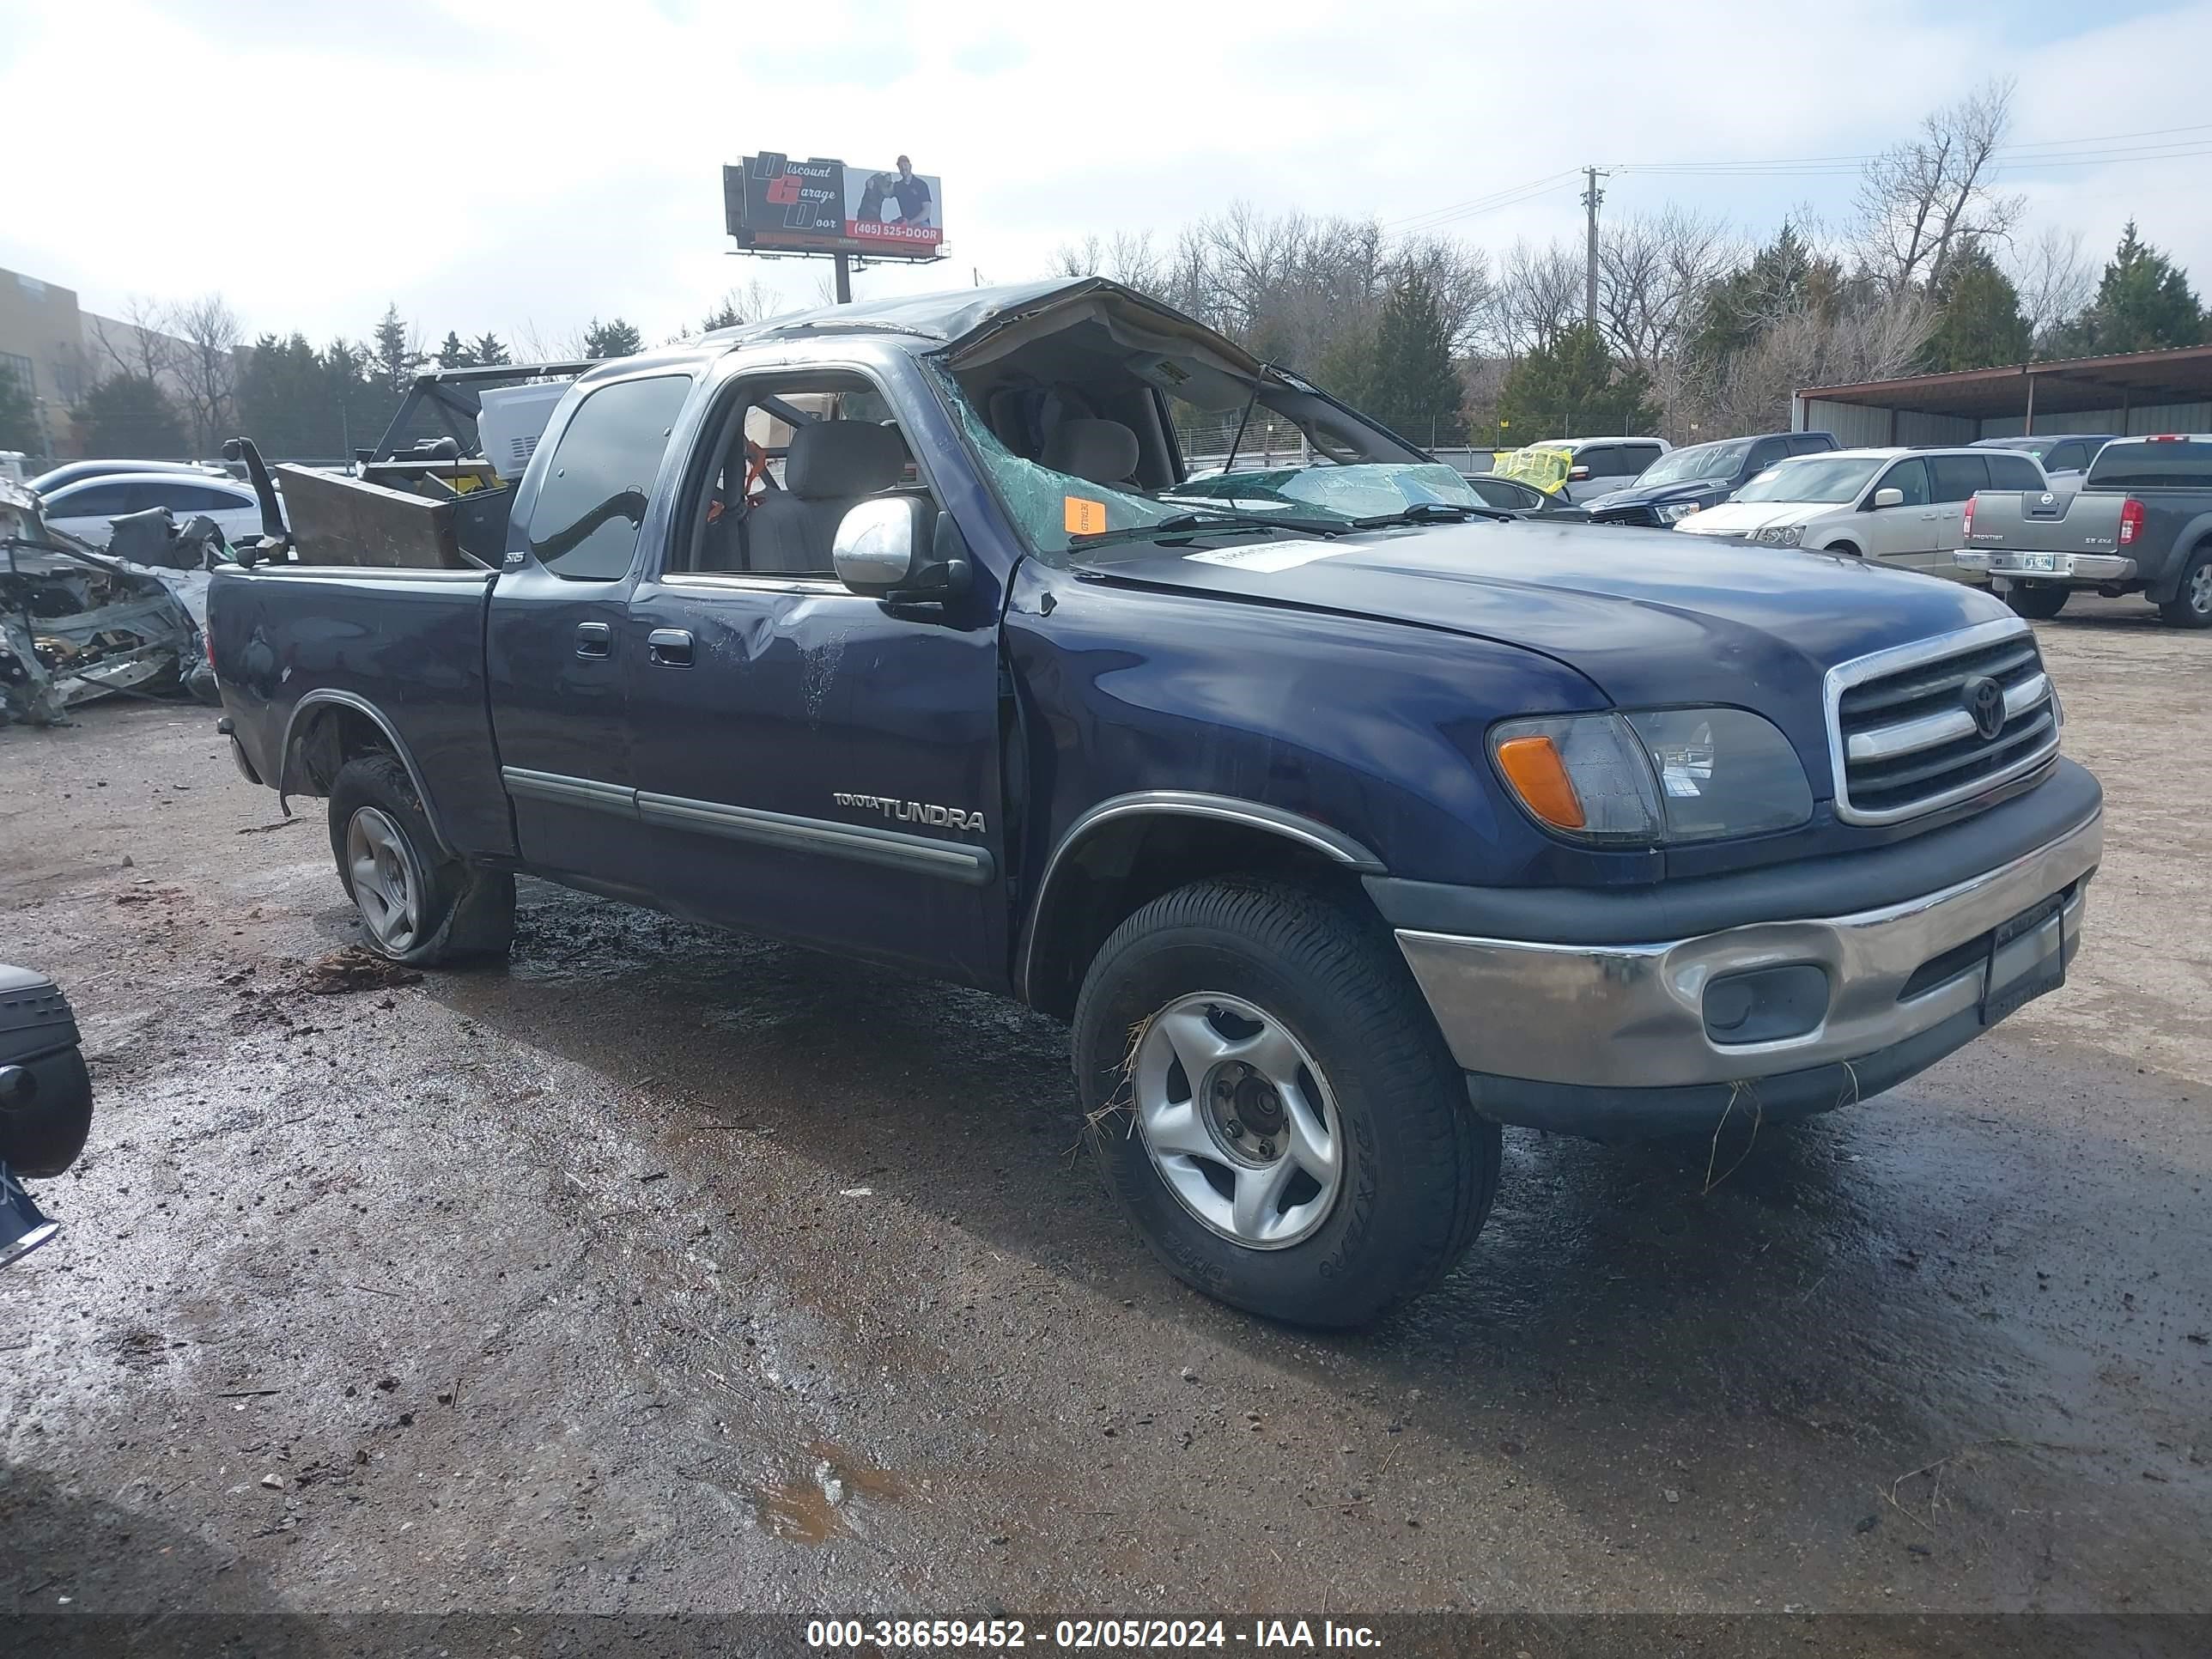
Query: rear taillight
1967	524
2132	520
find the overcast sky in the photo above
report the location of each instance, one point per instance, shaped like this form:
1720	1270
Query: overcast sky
524	166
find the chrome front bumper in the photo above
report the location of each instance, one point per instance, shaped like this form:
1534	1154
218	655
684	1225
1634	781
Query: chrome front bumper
2079	567
1632	1016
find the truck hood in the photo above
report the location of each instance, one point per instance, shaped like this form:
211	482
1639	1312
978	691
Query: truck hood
1704	491
1651	617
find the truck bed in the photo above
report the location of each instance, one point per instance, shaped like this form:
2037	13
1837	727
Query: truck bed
408	642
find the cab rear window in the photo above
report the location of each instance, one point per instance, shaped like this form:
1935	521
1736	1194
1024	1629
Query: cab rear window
2179	464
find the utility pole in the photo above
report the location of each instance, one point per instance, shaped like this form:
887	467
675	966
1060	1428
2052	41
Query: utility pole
1591	198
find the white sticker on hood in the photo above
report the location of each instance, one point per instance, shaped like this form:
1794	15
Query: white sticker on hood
1269	557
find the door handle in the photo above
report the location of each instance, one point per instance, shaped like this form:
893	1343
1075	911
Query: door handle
669	647
594	640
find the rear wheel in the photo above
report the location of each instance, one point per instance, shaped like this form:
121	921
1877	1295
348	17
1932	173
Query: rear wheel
2038	601
2191	604
1271	1104
418	905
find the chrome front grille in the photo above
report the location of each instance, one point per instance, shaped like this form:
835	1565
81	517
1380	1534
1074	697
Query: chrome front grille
1902	731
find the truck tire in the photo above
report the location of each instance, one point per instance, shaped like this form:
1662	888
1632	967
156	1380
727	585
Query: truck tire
2039	602
418	905
2191	604
1316	1054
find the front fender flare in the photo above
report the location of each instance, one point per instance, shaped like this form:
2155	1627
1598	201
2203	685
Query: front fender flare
1332	843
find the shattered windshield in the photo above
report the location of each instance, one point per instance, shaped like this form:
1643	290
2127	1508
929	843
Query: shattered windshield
1299	483
1361	491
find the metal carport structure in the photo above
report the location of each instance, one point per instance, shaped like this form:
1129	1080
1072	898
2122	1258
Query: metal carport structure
2135	393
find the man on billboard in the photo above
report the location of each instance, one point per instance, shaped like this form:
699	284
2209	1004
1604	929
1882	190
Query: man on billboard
913	194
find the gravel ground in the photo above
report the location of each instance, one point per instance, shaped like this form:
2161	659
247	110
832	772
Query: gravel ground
580	1285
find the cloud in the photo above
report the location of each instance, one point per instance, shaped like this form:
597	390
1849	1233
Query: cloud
314	163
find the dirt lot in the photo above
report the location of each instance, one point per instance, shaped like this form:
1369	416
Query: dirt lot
578	1285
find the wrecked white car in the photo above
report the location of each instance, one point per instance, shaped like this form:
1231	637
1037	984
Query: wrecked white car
77	625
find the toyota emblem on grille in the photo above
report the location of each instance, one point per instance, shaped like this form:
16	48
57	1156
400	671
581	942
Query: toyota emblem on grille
1984	699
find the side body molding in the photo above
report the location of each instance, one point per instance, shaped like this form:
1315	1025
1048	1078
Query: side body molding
1333	844
360	705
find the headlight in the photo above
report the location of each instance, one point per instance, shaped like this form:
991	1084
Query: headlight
1780	535
1675	512
1669	775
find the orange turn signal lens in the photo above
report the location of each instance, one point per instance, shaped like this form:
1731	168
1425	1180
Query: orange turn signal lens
1538	775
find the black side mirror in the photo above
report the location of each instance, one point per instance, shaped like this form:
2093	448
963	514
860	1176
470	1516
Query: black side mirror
901	549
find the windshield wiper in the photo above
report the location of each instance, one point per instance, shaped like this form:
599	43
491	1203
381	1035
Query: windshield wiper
1184	524
1433	513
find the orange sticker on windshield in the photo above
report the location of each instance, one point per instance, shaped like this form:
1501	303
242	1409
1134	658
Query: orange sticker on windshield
1083	518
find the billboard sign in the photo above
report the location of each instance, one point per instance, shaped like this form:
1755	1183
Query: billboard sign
776	204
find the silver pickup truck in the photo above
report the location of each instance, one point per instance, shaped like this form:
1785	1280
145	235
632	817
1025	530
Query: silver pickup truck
2140	523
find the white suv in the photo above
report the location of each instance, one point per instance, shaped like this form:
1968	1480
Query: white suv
1898	507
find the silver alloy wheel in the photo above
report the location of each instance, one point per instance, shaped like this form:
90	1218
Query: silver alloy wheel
385	887
2200	589
1238	1120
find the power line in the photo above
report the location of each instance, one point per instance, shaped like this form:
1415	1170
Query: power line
2009	158
1467	209
2004	155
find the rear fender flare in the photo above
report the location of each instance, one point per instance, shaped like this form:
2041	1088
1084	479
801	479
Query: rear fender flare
301	721
2194	535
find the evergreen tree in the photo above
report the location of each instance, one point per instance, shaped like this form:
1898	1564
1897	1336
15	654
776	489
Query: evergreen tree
283	401
454	354
1568	387
396	358
2143	303
1781	275
1981	325
724	315
1400	369
358	401
130	415
19	417
612	338
486	348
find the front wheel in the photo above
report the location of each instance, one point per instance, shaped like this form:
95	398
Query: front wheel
2038	603
418	905
2191	604
1272	1105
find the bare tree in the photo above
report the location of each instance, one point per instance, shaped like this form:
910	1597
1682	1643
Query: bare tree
1920	201
207	364
1288	286
1653	274
1458	275
1869	336
140	343
1127	256
2056	282
1539	293
754	303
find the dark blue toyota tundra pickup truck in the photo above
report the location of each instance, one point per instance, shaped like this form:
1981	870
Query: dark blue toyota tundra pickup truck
1343	819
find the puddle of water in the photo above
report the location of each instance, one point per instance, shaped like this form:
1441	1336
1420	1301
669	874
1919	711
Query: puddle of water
816	1508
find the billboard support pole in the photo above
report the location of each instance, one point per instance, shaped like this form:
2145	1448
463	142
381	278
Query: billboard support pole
844	279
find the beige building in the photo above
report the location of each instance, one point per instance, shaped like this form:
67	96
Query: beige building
61	351
42	341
